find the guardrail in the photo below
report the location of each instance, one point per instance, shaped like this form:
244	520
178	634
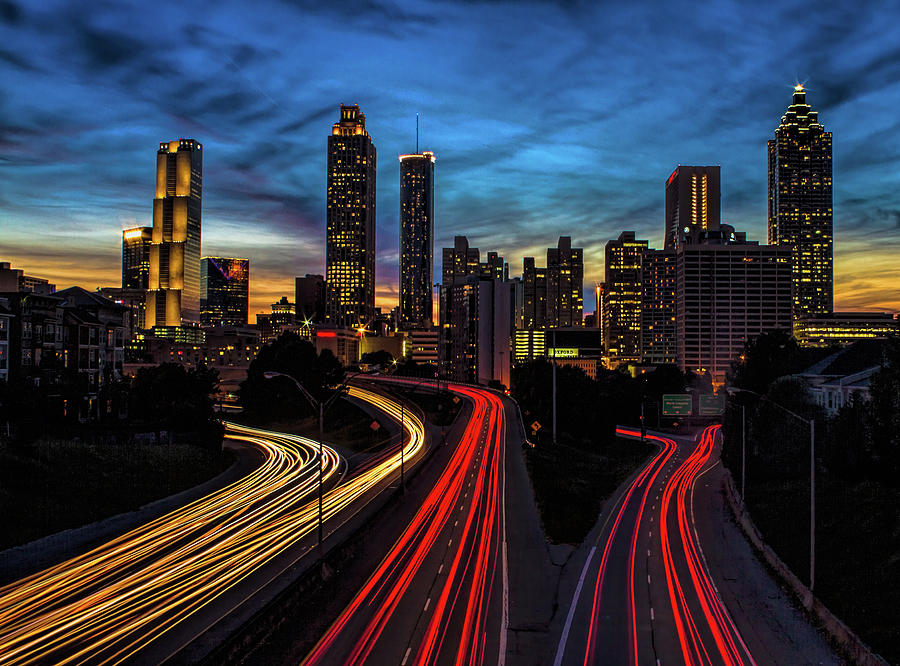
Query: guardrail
851	645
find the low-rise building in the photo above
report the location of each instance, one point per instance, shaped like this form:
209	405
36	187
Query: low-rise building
843	328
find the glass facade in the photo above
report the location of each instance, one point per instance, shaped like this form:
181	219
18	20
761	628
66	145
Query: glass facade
416	240
350	220
174	281
800	204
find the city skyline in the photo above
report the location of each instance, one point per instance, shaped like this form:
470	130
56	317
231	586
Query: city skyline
579	153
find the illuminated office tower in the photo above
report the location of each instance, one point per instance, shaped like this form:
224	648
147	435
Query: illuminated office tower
459	261
174	284
534	281
416	240
565	281
622	299
728	290
225	291
800	213
350	219
136	257
693	203
658	306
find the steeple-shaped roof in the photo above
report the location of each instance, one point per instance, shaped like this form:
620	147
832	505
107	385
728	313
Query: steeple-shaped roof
799	114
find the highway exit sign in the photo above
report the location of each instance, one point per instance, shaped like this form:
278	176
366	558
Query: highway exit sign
677	404
712	405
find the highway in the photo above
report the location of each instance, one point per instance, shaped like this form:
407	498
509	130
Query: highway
123	599
440	595
645	594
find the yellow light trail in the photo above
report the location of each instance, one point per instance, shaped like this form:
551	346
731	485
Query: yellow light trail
109	603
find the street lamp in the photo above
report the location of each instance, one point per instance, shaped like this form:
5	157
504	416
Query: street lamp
321	406
812	471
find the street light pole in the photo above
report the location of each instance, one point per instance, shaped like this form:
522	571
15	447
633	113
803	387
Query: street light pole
402	484
321	407
812	505
812	477
743	452
554	386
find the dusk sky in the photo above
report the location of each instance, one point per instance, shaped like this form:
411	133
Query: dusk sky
546	120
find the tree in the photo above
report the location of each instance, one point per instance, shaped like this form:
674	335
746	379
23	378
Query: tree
884	415
769	356
170	397
295	357
781	441
379	357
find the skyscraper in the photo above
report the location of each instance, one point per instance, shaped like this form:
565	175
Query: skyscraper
622	299
136	257
416	239
693	203
309	299
475	316
800	204
728	290
350	219
534	281
225	291
459	261
174	282
658	307
565	278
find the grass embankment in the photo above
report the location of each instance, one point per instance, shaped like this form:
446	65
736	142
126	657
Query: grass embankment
571	483
857	548
51	486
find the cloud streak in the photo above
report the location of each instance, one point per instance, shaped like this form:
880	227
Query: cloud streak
548	119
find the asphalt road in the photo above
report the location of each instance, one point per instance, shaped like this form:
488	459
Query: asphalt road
149	593
646	592
440	595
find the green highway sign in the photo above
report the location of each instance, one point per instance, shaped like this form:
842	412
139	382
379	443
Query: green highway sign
712	405
677	404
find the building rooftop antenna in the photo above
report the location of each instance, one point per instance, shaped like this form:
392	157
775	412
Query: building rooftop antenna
417	134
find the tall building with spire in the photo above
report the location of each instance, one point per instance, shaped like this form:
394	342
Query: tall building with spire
173	299
350	219
693	203
800	204
416	239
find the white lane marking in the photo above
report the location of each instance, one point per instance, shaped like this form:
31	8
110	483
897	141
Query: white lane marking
450	543
565	634
652	617
406	656
455	523
440	568
648	552
648	579
427	604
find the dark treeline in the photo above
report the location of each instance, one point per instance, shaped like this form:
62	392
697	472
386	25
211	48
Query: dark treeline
862	441
168	397
588	410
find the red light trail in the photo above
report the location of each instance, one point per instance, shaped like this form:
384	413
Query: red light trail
112	602
694	620
465	611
